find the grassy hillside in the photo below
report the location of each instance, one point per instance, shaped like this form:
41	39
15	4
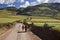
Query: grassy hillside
50	10
47	9
9	15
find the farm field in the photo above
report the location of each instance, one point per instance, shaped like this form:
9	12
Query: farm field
50	21
37	20
11	19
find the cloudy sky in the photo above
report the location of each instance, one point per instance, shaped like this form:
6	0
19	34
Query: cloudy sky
24	3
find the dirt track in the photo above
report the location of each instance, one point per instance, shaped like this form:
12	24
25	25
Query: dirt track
14	35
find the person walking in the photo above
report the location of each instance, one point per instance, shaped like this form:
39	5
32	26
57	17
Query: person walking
26	28
23	27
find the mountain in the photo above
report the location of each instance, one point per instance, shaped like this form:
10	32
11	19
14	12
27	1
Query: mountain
45	9
7	11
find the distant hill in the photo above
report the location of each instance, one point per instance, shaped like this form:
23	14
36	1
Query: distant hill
46	9
8	11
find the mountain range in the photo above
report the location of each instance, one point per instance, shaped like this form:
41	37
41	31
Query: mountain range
51	9
45	9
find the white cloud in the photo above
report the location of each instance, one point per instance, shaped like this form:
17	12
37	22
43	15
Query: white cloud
10	5
21	1
46	1
54	1
10	1
26	4
2	1
7	1
23	5
38	1
33	3
58	1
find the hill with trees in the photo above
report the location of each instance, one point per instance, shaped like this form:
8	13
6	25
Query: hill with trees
46	9
8	11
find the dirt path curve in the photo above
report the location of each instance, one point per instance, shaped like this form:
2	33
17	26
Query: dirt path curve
14	35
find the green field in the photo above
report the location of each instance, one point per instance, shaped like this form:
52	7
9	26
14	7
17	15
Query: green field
4	19
37	20
40	21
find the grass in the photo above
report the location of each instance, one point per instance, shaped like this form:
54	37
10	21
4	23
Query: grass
37	20
55	26
6	20
11	19
42	20
45	20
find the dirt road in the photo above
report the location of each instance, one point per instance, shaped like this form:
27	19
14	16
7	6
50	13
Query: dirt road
14	35
27	36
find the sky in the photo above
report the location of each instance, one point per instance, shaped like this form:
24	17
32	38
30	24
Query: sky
24	3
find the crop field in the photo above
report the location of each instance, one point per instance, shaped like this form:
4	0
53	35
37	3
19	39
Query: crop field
11	19
45	20
6	20
42	20
37	20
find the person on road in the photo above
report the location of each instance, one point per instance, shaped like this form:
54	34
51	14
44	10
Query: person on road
23	27
26	27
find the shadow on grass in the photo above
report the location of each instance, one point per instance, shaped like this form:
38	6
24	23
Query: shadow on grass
45	32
